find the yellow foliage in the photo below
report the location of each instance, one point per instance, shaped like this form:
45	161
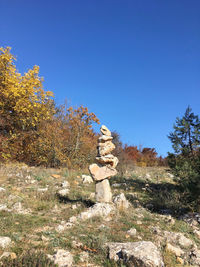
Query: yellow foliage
23	101
30	129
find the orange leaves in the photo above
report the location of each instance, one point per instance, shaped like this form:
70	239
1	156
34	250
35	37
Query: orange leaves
144	157
32	129
85	248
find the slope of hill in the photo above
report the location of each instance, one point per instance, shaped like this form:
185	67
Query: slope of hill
44	219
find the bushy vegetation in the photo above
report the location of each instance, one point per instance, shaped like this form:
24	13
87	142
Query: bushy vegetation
185	162
29	259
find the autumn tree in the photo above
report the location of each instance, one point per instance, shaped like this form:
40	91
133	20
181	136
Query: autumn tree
33	129
82	141
23	105
23	101
149	156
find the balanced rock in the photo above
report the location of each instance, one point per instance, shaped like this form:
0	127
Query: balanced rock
106	166
104	138
105	148
100	173
108	159
104	130
103	191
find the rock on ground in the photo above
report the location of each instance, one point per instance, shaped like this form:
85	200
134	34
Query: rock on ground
178	238
99	209
2	189
11	255
175	250
87	179
3	207
65	184
136	254
121	202
5	241
62	258
63	192
195	257
17	208
173	238
132	232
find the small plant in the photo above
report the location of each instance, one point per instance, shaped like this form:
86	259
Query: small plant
30	259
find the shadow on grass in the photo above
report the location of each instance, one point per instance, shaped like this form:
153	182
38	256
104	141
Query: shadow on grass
86	202
163	198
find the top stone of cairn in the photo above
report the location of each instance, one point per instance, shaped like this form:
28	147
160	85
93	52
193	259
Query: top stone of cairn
104	130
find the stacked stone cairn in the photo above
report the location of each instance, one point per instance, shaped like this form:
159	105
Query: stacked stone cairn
105	167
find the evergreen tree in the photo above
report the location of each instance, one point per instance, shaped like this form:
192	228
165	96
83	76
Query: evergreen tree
186	136
185	162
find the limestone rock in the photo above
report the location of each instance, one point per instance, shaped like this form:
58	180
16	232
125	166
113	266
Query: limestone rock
62	258
176	239
105	148
195	257
191	218
103	191
5	241
175	250
73	219
104	130
184	241
105	167
65	184
100	173
3	207
104	138
2	189
136	254
99	209
108	159
42	190
87	179
132	232
121	202
17	208
64	226
10	255
63	192
197	233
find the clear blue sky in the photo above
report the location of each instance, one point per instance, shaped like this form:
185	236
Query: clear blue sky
135	64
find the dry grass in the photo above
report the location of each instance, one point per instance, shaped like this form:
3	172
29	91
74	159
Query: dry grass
36	229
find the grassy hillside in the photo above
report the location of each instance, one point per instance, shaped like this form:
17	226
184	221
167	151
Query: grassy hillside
31	211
